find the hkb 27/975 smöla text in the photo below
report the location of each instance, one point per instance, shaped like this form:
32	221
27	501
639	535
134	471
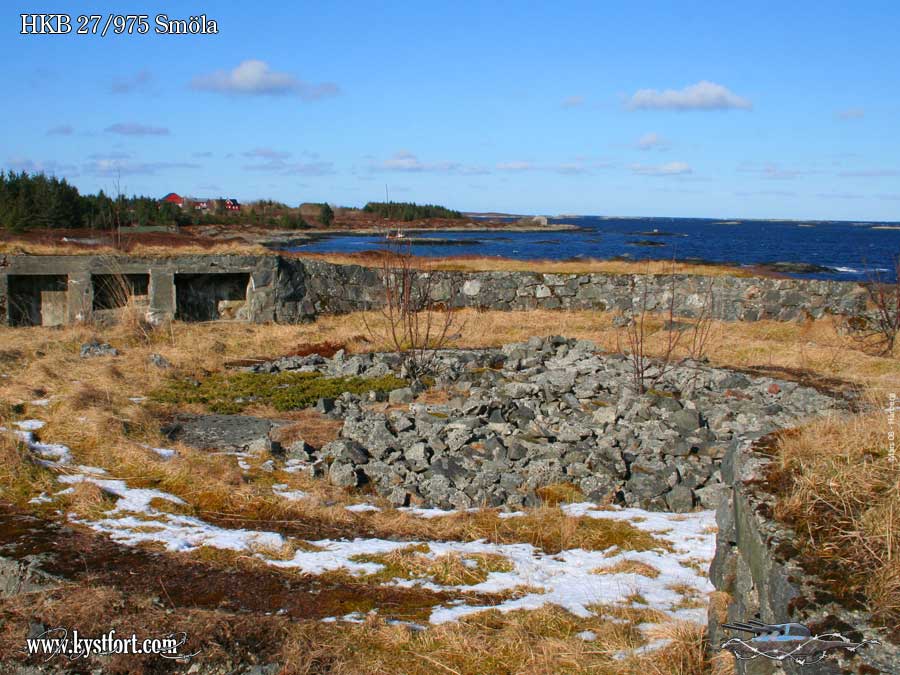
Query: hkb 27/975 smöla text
118	24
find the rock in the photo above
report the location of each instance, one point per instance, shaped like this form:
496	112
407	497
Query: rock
685	420
402	395
342	474
159	361
710	496
94	349
418	455
345	450
325	405
398	497
299	449
471	287
773	388
680	499
234	433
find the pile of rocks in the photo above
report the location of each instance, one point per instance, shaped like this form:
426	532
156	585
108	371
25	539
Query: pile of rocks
544	412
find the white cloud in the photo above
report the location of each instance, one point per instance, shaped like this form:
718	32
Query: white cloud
133	83
851	114
652	141
115	166
838	195
61	130
515	166
772	171
870	173
267	153
136	129
766	193
701	96
572	102
50	166
406	161
280	166
253	77
669	169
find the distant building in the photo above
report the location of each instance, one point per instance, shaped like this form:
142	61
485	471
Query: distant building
201	204
174	198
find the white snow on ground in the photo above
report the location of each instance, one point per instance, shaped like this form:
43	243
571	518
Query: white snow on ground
565	578
165	453
41	402
130	499
362	508
281	489
30	425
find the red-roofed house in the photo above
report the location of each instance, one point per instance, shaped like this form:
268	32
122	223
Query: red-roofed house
174	198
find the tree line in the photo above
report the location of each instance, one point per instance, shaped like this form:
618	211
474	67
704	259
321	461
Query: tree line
407	211
41	201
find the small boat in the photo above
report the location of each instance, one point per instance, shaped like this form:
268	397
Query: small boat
396	235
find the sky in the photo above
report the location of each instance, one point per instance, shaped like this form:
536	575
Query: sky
743	110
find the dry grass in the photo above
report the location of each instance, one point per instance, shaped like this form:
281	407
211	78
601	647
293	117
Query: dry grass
92	413
841	488
579	266
308	425
161	250
838	487
449	569
629	567
537	642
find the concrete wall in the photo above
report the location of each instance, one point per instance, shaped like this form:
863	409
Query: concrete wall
757	566
290	290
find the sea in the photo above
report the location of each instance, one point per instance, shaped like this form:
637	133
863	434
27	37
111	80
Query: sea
840	250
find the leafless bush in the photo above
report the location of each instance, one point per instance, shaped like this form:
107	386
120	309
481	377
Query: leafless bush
879	326
416	316
701	330
647	371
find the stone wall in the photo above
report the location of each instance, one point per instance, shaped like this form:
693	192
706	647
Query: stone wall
328	288
755	565
290	290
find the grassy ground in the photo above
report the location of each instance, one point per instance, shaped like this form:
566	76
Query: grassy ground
839	486
581	266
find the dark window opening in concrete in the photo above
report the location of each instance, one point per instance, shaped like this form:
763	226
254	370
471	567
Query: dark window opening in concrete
209	297
112	291
38	299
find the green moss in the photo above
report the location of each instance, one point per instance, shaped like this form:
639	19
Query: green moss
229	393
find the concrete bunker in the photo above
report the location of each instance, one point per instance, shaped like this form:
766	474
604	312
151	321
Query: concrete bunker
114	291
213	296
38	299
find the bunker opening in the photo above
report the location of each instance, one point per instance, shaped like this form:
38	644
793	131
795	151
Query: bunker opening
38	299
114	291
211	297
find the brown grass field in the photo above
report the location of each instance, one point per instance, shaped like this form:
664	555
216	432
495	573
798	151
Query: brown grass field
840	488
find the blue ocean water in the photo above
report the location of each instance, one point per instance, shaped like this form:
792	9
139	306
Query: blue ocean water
850	251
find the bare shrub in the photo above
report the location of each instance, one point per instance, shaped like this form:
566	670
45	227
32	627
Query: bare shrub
879	326
416	316
637	348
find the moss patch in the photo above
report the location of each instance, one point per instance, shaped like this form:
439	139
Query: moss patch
229	393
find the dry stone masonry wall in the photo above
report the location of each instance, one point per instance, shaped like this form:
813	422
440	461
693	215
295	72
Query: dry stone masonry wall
55	290
756	566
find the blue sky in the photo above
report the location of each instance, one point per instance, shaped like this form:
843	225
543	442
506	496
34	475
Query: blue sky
757	110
